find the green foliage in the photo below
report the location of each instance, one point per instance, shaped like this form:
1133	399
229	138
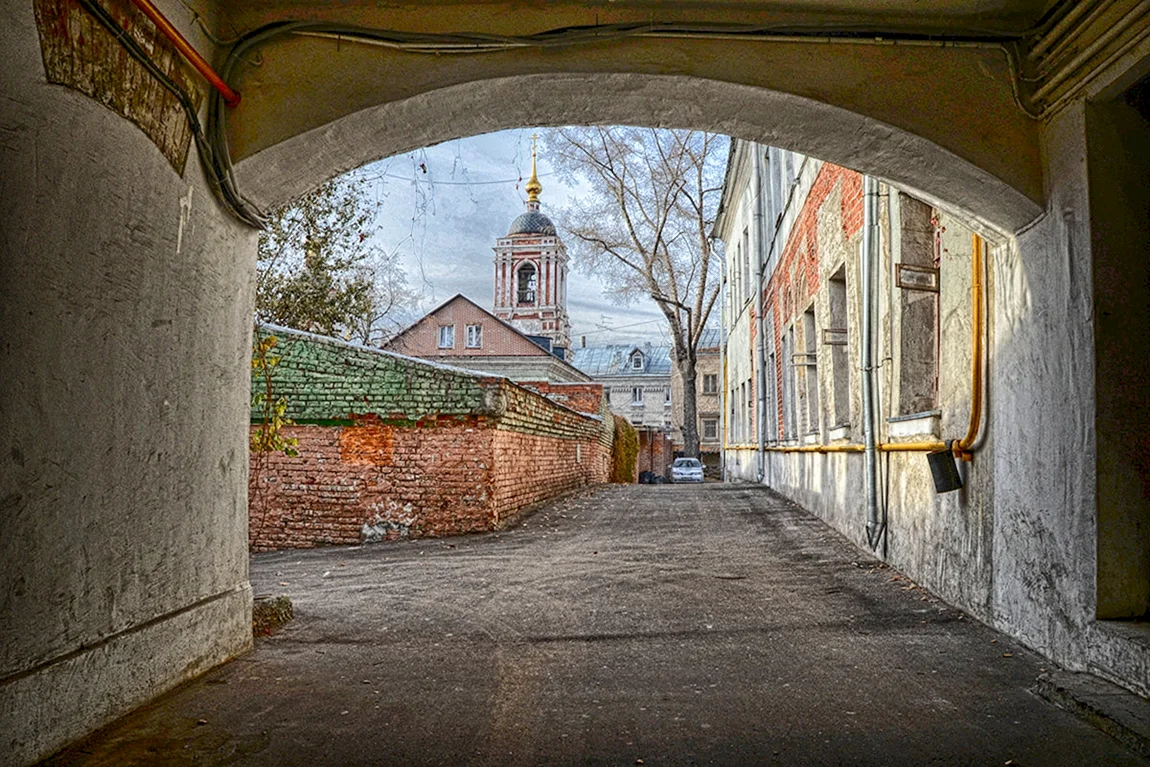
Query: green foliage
624	452
318	269
268	437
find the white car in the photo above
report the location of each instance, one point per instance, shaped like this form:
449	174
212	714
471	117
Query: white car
686	470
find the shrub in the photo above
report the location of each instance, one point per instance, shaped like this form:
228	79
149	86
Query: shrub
624	452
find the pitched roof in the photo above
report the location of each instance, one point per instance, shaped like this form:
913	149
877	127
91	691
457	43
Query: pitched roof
536	348
615	360
709	339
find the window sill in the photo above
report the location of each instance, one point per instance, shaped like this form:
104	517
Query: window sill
914	425
811	439
839	433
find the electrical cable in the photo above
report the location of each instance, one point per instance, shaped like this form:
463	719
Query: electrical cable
212	145
372	176
203	146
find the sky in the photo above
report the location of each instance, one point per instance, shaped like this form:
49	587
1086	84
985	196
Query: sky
443	207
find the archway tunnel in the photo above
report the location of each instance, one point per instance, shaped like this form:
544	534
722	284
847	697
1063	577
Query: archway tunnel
126	286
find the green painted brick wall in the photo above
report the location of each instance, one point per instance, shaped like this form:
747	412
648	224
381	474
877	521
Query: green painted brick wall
326	380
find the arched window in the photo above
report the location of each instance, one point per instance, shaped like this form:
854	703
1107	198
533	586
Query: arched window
526	284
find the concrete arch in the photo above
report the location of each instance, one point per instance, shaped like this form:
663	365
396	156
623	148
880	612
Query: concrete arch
297	164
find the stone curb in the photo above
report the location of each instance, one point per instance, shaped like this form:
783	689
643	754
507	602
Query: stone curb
1116	711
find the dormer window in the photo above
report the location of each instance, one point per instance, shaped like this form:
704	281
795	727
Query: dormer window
637	361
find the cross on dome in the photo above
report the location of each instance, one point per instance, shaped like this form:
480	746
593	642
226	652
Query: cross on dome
533	186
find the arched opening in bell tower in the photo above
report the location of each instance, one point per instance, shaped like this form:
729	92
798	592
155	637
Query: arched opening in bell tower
527	281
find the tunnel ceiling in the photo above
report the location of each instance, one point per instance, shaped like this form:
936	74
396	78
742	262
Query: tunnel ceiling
947	74
990	16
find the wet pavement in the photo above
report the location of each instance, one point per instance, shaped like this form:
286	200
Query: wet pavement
655	625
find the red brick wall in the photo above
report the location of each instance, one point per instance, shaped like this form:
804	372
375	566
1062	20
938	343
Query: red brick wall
428	480
378	480
656	451
796	278
529	469
583	397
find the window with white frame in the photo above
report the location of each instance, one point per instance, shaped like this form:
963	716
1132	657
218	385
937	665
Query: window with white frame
637	361
667	396
446	336
636	395
474	336
710	429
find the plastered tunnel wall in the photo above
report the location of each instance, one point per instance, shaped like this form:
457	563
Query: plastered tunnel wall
125	302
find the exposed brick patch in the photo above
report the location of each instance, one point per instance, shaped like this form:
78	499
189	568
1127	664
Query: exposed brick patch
795	280
656	451
582	397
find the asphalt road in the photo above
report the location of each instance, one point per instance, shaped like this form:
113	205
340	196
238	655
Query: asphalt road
656	625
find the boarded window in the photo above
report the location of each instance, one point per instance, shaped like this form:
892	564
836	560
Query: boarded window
789	411
835	338
811	369
918	348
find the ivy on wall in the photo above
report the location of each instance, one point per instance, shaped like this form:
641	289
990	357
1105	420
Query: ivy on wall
624	452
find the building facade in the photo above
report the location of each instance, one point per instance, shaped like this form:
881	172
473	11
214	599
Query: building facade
459	332
531	273
636	378
863	324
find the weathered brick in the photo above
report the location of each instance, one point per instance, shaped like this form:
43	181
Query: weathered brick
377	461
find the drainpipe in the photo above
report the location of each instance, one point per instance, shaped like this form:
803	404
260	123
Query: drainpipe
723	361
870	451
761	355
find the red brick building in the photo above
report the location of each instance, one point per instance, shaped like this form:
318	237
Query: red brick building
462	333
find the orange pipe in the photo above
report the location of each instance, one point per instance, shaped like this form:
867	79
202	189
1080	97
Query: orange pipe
962	448
886	447
231	98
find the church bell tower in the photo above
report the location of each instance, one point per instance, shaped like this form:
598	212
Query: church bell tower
531	272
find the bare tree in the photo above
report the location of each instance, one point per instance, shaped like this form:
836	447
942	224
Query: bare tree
645	224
